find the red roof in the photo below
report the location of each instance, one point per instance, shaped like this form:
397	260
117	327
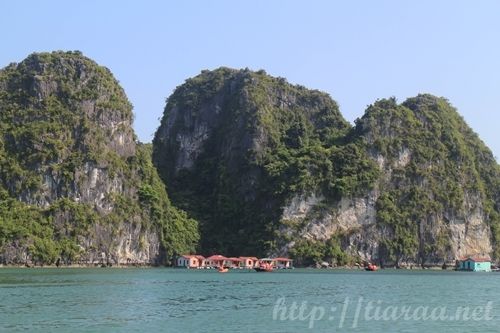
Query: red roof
282	259
251	258
216	257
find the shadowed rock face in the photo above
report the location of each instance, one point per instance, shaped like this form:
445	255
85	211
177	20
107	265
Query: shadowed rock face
265	166
68	151
219	131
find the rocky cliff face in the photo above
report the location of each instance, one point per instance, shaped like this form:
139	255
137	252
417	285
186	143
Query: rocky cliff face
271	168
69	154
217	143
433	202
66	100
265	167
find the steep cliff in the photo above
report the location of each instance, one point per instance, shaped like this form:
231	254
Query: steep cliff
436	198
234	145
74	184
272	168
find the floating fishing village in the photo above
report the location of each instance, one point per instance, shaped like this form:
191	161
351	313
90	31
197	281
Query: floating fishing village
223	263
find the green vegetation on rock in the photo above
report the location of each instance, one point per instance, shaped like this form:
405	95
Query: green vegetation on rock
233	146
308	252
259	165
74	183
440	173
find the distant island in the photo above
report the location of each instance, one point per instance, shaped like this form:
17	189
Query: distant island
251	164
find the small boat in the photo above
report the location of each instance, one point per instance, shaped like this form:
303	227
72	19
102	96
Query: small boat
264	268
222	269
260	269
371	268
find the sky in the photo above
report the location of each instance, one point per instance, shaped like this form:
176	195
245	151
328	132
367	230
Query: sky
357	51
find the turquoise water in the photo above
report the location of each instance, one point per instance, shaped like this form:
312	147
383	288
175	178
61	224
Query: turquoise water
173	300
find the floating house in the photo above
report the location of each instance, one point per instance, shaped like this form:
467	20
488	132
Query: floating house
280	263
191	261
216	260
232	262
249	262
284	263
474	264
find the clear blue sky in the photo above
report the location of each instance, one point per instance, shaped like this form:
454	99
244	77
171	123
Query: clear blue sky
357	51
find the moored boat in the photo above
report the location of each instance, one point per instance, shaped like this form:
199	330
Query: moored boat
260	269
371	268
264	267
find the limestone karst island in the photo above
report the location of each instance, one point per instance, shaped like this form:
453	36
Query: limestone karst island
242	164
249	166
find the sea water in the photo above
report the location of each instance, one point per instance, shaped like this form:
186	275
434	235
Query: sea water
300	300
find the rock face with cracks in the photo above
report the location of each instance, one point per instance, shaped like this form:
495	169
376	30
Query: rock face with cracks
264	167
75	185
271	168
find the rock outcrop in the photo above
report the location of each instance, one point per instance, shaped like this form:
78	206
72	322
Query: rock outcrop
271	168
69	155
435	200
265	167
219	132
